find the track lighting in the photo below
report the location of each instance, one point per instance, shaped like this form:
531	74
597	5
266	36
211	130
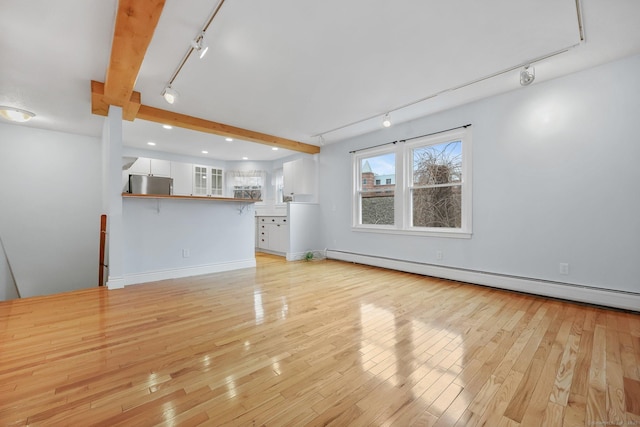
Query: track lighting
199	45
169	94
386	120
16	114
527	75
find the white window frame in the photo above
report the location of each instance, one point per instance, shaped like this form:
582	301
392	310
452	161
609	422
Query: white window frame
404	181
278	186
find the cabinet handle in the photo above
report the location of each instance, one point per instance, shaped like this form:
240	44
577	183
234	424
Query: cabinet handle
273	220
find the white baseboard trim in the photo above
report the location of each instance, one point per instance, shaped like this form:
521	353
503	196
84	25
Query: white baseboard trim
115	282
177	273
567	291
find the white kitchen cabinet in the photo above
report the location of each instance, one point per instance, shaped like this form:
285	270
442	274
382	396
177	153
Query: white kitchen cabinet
207	181
299	176
155	167
273	234
182	174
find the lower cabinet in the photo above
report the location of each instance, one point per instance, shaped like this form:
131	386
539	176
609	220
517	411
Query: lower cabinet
273	234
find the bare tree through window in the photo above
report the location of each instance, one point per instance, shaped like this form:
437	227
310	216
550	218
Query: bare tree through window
436	194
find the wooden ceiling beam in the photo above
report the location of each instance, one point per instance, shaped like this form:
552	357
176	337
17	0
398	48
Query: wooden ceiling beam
189	122
100	106
136	22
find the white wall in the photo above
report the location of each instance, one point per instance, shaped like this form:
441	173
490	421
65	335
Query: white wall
218	236
50	198
555	179
304	233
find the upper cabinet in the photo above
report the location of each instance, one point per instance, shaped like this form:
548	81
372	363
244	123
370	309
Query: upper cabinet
182	174
155	167
207	181
299	176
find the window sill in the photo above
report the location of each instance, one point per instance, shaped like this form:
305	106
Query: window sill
451	234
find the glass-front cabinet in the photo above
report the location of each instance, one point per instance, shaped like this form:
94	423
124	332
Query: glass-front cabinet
207	181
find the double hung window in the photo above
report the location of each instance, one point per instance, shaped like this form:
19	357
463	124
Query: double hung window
419	187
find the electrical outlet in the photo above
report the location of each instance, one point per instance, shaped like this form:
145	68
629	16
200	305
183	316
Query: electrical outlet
439	255
563	268
186	253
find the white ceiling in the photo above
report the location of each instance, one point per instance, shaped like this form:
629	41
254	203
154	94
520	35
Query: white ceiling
299	69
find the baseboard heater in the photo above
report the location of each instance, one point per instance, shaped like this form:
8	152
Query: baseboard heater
566	291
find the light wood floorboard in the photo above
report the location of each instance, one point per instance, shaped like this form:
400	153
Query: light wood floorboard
315	343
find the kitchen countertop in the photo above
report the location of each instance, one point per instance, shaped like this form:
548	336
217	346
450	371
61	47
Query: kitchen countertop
167	196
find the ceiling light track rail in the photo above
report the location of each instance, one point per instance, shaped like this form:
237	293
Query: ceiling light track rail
412	138
481	79
580	21
191	48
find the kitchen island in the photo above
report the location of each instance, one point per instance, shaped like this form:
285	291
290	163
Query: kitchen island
169	237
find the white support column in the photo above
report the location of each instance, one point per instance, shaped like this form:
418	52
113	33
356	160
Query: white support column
112	195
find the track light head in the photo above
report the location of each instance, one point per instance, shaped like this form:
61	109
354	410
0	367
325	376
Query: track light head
386	120
169	94
527	75
199	45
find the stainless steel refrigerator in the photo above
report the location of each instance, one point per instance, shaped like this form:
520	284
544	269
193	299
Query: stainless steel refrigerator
145	184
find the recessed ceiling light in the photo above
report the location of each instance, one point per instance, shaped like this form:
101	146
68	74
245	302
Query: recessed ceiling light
151	143
274	148
16	114
167	126
245	158
228	139
205	152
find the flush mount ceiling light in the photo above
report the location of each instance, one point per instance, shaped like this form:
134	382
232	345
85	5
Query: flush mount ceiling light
386	120
228	139
169	94
199	45
16	114
527	75
167	126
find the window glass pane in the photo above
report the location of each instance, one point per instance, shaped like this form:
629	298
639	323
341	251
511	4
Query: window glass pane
376	199
279	184
437	207
377	209
248	187
438	164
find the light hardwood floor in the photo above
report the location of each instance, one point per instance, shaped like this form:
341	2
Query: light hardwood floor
315	343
